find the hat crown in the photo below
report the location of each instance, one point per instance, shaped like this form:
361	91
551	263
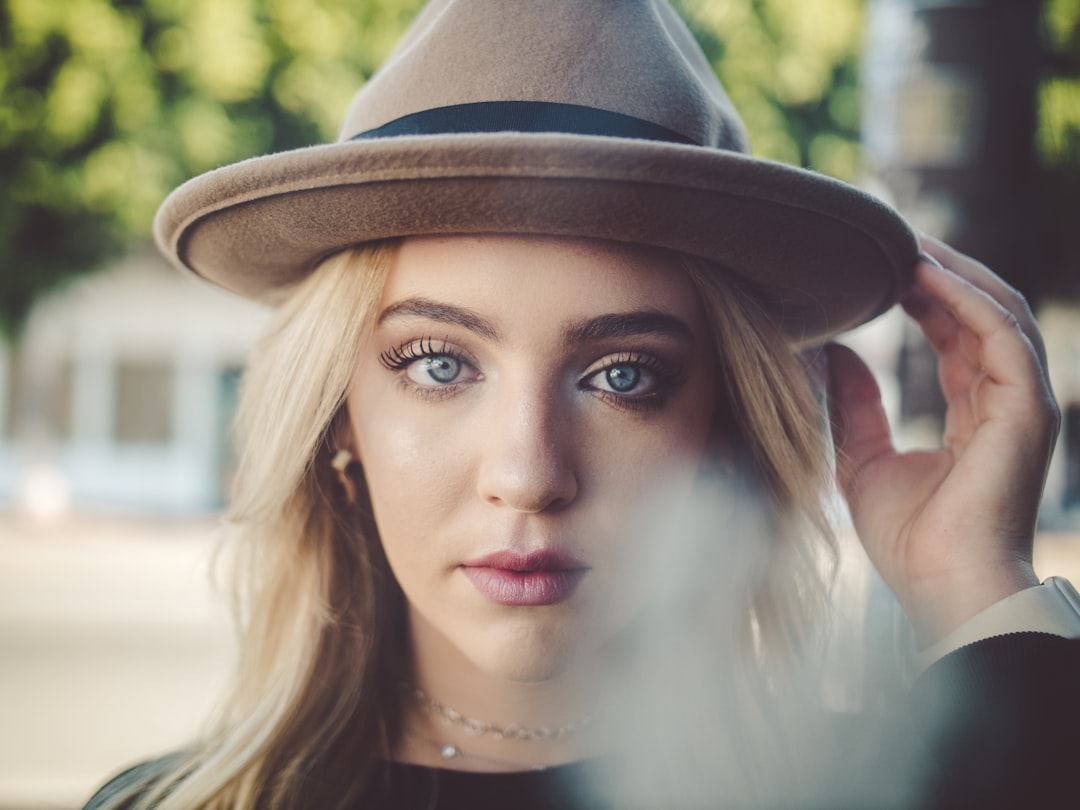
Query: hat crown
632	57
584	118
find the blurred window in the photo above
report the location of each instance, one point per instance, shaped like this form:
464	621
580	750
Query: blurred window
144	399
7	392
228	394
38	396
59	399
1072	455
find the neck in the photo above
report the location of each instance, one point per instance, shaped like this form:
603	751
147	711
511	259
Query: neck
555	714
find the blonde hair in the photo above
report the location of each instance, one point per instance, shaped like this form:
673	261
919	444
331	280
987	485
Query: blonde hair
314	708
314	599
781	431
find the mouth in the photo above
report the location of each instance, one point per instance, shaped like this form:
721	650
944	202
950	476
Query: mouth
544	577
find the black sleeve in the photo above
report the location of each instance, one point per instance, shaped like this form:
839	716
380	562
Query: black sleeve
1001	719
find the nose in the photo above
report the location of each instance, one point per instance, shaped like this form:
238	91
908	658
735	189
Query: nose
528	461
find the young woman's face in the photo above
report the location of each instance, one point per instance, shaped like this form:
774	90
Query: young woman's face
520	399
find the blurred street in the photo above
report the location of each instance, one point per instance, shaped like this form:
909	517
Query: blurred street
113	647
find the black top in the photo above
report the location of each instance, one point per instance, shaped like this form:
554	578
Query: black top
415	786
997	724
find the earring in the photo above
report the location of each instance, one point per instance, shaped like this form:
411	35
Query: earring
340	462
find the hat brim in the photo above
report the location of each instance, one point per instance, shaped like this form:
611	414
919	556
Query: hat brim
823	255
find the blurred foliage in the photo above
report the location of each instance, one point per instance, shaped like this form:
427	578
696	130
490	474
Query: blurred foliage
106	106
1059	100
1058	144
790	67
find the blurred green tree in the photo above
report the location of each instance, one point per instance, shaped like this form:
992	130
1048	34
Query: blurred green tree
106	106
1058	144
790	67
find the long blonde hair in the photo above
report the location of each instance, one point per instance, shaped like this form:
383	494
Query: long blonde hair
780	425
314	707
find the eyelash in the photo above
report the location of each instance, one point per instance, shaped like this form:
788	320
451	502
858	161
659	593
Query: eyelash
668	376
397	357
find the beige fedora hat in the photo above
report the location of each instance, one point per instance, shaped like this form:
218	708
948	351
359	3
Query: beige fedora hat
596	118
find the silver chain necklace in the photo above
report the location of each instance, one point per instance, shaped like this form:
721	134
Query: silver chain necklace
477	728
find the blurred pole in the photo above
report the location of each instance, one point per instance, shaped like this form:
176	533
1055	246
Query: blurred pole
949	119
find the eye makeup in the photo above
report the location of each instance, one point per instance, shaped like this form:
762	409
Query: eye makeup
399	356
633	380
630	380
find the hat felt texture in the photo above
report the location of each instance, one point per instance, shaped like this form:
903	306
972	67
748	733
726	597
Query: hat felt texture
588	118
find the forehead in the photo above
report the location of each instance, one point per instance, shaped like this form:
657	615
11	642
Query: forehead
564	276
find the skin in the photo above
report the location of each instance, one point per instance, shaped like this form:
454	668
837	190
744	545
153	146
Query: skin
526	449
951	529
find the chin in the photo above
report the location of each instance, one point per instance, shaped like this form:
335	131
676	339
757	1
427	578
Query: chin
528	653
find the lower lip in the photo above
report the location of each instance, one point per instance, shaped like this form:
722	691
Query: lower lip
531	588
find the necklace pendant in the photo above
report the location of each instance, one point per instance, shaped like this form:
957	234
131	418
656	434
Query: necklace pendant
449	751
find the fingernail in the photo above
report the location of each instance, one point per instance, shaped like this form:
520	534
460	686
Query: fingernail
926	257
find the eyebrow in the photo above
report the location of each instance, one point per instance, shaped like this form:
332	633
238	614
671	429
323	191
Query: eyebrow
603	327
627	324
443	313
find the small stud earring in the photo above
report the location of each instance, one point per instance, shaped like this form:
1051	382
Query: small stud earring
340	462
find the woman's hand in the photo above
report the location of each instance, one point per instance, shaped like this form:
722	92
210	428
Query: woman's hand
951	530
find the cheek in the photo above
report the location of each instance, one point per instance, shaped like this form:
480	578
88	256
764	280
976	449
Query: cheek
642	475
411	464
674	438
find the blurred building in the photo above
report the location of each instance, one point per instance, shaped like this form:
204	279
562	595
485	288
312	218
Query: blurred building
1060	322
121	391
950	90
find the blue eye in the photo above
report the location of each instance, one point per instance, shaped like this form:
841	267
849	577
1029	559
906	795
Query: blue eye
623	377
443	369
425	366
627	379
634	380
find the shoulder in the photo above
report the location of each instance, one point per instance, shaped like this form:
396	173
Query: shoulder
1027	684
1002	717
128	785
1031	662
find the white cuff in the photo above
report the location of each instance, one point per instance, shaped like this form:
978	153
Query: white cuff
1053	607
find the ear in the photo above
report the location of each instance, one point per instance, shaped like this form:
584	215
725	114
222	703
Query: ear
340	435
344	458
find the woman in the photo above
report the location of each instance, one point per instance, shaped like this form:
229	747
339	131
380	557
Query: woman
536	305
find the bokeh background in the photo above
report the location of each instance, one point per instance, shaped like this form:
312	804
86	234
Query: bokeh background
118	375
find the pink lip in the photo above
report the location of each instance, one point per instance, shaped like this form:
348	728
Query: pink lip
544	577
